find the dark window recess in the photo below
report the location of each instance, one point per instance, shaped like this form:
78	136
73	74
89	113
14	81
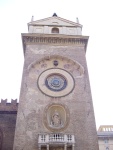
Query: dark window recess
55	30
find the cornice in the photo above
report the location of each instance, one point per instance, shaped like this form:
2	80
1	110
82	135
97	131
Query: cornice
37	22
53	39
105	134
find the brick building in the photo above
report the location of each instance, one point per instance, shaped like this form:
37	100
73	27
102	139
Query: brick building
8	114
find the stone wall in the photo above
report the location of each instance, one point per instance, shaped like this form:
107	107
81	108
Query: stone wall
8	113
34	102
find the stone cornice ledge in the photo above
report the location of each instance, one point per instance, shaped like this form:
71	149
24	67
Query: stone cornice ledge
53	39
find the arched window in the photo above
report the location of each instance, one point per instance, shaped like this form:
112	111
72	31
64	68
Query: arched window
55	30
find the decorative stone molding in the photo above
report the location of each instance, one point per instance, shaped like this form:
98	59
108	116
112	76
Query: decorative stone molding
53	40
56	82
65	63
56	117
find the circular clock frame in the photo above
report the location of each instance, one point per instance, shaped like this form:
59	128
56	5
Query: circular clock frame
56	82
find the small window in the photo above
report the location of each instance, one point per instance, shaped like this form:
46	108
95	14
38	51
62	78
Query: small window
55	30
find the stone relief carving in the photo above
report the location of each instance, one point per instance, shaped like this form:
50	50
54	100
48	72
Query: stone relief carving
56	120
56	117
47	62
55	40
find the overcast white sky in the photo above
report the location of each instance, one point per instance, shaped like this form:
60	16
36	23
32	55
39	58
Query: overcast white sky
96	16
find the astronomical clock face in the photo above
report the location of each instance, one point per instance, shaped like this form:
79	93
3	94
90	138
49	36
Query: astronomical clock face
56	76
56	82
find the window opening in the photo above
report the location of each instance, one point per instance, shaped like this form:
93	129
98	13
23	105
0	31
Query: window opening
55	30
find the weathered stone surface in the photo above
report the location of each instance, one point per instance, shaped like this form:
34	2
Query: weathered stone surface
7	128
41	110
33	102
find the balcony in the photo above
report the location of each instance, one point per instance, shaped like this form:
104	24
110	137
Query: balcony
56	139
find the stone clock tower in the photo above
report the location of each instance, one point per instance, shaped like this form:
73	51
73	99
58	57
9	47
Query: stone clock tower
55	108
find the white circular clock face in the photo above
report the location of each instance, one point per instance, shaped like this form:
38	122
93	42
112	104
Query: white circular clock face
55	82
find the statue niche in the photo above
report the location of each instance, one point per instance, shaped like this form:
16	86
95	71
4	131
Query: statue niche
56	117
56	120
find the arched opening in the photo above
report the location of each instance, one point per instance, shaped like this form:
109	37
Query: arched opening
55	30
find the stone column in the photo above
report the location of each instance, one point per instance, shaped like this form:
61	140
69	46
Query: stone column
65	146
47	146
73	147
39	147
